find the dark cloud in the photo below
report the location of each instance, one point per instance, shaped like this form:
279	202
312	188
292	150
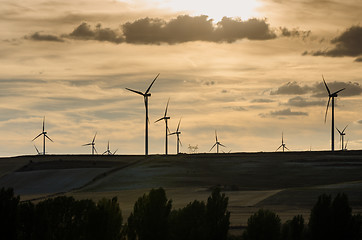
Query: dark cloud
287	112
85	32
347	44
291	88
351	88
231	30
44	37
294	33
302	102
239	108
282	113
358	59
262	100
318	89
360	121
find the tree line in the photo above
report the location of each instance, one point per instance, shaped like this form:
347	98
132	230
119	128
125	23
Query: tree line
153	218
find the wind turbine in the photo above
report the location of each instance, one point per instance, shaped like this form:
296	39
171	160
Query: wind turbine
331	95
167	129
282	145
217	144
44	133
178	136
93	143
108	152
342	134
145	95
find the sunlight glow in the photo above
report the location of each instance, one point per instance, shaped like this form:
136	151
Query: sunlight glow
216	10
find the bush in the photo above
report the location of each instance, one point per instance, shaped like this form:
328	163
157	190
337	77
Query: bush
8	213
263	225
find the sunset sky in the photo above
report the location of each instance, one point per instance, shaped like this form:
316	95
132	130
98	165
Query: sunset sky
249	69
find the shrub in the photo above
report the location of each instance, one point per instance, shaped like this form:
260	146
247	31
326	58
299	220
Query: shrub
263	225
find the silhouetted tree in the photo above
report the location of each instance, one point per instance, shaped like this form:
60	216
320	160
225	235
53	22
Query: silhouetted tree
150	217
26	218
189	223
106	220
334	220
8	213
293	229
263	225
217	216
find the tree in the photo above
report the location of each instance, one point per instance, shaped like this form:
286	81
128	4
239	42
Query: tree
8	213
293	229
263	225
189	223
217	216
150	217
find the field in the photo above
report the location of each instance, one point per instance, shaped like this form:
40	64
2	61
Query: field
287	183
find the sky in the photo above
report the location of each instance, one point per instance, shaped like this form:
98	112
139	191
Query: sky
250	70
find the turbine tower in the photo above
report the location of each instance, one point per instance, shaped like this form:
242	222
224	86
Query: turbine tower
167	129
342	134
217	144
145	95
178	136
93	143
331	95
282	145
44	133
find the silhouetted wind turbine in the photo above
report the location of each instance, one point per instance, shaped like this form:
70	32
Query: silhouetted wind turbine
145	97
108	151
331	95
93	143
342	134
44	133
217	144
167	129
178	136
282	145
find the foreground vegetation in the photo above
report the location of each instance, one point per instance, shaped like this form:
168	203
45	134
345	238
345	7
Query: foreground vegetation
154	219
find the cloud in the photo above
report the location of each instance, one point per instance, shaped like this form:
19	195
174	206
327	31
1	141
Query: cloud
46	37
318	89
85	32
302	102
182	29
287	112
294	33
358	59
347	44
291	88
282	113
360	121
262	100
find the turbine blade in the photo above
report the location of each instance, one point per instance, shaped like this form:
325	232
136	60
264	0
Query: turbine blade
37	136
279	147
94	148
48	137
338	91
167	107
325	117
43	123
36	149
339	131
172	133
179	141
345	128
329	92
148	89
87	144
138	92
215	135
286	148
222	145
168	130
115	152
178	126
94	138
212	147
159	119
